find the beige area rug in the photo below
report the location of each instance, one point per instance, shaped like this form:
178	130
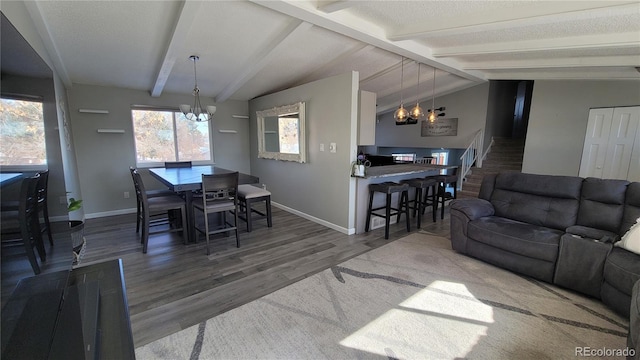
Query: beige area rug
414	298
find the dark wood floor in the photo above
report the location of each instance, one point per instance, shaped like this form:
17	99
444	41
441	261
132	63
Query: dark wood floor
175	286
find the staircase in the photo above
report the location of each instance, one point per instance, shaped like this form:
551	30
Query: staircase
505	154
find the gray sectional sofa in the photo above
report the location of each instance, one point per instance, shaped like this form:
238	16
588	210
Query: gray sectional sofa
559	229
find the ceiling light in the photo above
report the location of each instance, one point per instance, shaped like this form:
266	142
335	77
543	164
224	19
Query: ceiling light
401	114
416	113
433	116
196	112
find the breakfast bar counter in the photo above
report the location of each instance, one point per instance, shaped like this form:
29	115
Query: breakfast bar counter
379	174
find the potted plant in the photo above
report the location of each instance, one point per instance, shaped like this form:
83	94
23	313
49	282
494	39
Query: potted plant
78	242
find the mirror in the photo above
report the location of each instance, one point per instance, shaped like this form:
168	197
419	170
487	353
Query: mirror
281	133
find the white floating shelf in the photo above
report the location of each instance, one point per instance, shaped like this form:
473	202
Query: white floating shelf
240	116
93	111
111	131
270	132
228	131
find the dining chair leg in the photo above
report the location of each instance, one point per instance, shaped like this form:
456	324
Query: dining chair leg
45	212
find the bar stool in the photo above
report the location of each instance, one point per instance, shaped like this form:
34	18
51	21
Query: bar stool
444	180
420	202
248	195
388	188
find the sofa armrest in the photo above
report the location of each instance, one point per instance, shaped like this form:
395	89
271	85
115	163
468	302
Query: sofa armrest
593	233
473	208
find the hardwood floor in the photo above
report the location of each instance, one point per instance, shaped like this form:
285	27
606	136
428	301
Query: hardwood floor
175	286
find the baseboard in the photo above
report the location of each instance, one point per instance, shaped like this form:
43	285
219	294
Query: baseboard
316	220
110	213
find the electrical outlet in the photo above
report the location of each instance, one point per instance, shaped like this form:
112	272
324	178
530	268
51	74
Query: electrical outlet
126	194
332	147
321	147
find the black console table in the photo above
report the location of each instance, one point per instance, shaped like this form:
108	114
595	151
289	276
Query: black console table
77	314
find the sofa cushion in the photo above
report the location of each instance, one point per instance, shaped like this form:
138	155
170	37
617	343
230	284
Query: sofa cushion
543	200
601	203
516	237
622	269
631	207
631	240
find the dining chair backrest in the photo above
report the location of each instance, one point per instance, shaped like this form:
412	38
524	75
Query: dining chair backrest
42	186
177	164
28	219
139	186
220	187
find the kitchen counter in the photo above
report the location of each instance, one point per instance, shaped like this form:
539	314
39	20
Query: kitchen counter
379	174
402	169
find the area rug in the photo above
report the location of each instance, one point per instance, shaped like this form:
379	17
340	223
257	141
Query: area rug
414	298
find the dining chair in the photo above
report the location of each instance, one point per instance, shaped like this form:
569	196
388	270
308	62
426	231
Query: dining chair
248	195
21	227
150	194
157	205
219	195
43	208
451	178
177	164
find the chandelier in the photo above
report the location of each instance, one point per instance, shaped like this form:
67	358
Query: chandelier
195	112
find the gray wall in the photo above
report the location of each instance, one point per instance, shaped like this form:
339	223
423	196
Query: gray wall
320	189
469	106
104	159
558	121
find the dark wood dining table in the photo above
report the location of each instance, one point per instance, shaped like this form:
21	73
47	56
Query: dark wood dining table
189	179
9	178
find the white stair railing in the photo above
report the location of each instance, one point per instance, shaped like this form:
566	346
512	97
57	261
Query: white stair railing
473	154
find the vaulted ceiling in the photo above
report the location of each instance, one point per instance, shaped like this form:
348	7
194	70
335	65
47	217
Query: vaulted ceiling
251	48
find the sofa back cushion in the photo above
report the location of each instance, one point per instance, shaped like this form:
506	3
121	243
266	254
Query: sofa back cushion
545	200
631	207
601	203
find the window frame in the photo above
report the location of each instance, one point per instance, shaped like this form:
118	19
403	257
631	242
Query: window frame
27	167
173	110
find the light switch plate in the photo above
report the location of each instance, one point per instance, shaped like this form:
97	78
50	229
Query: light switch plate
332	147
321	147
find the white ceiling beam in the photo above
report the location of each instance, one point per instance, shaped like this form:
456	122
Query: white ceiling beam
595	61
384	71
527	15
583	74
42	27
268	52
333	6
175	47
356	28
622	40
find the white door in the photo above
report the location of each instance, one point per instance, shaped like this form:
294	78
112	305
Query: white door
634	167
595	143
621	140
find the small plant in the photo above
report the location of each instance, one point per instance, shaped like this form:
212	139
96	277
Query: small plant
74	204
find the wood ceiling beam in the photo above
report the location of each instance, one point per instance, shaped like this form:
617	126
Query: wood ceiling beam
175	48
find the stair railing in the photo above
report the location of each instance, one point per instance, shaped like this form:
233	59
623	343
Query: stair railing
473	154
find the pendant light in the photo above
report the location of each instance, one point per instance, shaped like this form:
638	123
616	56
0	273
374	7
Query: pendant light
196	112
416	113
401	114
433	116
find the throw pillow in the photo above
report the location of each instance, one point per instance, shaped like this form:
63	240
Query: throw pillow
631	240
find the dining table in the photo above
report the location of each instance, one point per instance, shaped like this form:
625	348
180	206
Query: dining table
9	178
186	180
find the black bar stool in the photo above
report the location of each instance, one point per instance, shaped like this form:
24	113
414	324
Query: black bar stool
422	198
451	178
389	188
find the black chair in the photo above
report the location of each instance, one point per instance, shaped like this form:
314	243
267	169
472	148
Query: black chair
248	195
150	194
177	164
21	227
450	178
219	195
157	205
388	188
426	190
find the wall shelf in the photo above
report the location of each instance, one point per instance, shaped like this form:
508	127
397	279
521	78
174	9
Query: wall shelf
111	131
93	111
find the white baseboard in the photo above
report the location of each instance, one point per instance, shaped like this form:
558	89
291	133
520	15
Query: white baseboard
315	219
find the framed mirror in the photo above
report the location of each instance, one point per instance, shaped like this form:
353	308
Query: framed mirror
281	133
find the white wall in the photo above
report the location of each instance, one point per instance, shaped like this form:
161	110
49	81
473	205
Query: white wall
558	121
104	159
469	106
320	189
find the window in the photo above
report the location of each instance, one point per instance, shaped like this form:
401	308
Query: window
404	157
22	141
441	157
166	135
